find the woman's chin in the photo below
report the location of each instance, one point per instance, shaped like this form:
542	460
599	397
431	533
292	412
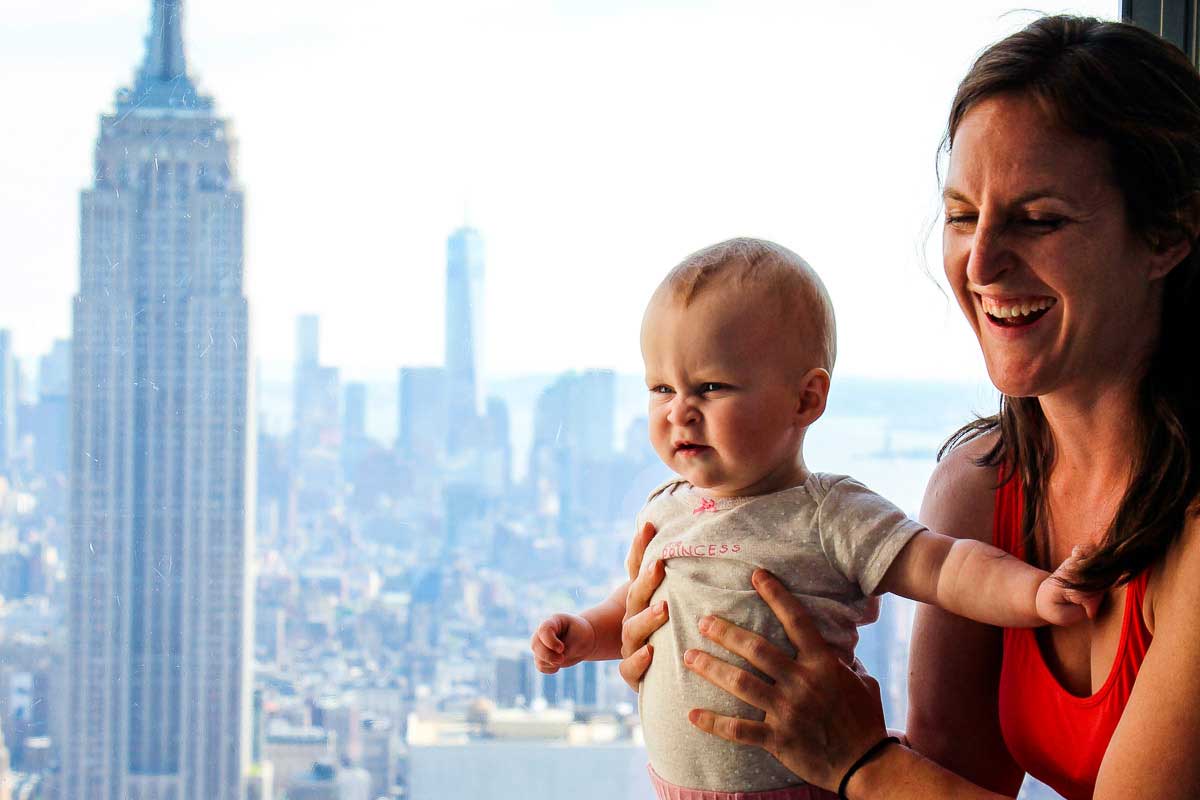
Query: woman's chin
1015	382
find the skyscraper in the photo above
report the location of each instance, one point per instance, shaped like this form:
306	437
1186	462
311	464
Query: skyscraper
423	421
158	604
52	414
464	332
54	369
8	399
573	431
355	444
354	416
316	424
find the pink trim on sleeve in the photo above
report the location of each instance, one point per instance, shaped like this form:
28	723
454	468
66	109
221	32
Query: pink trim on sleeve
669	791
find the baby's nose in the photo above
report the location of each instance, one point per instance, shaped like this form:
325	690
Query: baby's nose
682	412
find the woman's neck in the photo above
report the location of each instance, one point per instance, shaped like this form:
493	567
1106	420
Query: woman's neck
1095	438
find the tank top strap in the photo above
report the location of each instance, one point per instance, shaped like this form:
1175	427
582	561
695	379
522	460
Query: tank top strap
1007	514
1138	632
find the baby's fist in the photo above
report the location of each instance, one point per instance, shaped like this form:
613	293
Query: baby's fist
562	641
1059	604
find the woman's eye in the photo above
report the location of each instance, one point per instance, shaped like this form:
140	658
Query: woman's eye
959	220
1043	223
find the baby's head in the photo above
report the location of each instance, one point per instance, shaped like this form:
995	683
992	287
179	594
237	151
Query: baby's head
738	342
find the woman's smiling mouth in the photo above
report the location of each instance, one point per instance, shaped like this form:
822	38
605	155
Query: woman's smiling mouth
1016	312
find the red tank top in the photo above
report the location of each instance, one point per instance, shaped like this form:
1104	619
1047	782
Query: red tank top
1055	736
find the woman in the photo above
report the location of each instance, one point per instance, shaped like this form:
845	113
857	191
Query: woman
1071	218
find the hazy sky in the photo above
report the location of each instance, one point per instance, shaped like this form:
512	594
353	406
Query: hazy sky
593	142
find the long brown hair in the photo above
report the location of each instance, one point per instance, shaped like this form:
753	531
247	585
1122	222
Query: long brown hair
1119	84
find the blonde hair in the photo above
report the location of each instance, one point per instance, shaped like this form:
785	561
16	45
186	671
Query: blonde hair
742	263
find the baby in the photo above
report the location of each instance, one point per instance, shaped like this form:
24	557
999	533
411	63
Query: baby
738	343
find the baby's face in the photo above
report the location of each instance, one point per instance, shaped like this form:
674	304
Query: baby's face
725	405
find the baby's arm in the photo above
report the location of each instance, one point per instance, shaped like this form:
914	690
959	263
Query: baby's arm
564	640
981	582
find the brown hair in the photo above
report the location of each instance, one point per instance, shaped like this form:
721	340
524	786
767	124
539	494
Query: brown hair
1124	86
746	262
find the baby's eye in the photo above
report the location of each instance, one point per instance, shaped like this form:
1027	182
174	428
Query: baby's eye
661	389
711	386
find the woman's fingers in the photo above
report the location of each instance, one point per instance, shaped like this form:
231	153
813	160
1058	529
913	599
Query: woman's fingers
799	627
633	667
742	731
633	562
764	656
640	621
637	628
642	588
738	682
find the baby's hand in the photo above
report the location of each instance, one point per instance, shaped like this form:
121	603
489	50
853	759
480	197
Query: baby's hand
562	641
1060	605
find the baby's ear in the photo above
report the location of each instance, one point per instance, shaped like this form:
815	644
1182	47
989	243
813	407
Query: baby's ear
814	392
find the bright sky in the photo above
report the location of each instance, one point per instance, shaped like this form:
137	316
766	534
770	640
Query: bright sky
593	142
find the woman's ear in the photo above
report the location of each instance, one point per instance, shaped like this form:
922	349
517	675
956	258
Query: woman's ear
1171	249
813	394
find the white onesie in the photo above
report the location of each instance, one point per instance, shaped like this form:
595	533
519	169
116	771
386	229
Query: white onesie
830	541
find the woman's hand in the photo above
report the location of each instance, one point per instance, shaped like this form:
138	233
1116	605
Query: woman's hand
641	620
821	715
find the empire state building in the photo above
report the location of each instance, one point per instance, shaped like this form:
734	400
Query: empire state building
159	600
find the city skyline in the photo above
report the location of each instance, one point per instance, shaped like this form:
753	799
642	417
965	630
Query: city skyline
589	179
198	605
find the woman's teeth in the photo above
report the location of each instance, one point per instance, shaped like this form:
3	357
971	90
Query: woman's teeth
1017	312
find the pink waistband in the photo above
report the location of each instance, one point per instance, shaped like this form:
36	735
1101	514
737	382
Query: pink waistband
669	791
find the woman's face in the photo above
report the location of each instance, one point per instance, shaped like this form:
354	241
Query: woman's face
1061	293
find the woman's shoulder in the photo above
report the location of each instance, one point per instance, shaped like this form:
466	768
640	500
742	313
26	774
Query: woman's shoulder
1172	581
960	496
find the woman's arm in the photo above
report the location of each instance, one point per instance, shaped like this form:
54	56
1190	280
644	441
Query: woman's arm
954	663
1155	750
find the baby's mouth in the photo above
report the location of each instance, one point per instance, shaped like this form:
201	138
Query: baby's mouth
1016	313
690	447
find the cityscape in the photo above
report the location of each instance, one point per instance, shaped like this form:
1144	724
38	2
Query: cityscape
228	580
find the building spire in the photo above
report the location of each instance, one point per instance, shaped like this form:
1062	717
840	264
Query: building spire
162	81
164	43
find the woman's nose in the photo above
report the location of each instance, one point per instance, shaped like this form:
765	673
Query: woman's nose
989	257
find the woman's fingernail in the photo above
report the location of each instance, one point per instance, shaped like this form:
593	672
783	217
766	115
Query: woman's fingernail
757	577
705	624
689	657
660	607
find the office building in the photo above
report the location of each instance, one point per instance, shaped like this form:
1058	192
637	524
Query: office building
158	607
464	337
